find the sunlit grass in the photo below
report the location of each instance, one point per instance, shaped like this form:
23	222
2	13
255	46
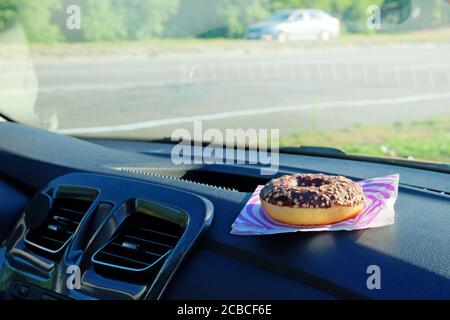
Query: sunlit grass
424	140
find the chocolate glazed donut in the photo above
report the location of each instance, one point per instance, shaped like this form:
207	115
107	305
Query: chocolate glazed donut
312	199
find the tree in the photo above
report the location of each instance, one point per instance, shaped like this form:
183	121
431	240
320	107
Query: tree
145	19
102	21
240	13
37	19
8	12
111	20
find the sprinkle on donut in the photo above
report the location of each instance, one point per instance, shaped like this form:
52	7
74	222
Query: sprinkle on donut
312	191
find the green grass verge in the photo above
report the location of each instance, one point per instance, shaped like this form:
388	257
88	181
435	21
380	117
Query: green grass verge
163	46
425	140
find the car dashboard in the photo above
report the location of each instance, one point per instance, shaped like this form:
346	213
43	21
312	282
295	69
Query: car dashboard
115	219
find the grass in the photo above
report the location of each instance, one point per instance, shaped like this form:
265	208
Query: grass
163	46
424	140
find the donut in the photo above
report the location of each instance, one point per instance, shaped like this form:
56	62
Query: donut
312	199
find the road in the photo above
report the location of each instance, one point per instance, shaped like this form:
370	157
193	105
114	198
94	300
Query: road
320	88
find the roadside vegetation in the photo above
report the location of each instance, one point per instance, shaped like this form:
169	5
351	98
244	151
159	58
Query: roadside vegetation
153	47
45	21
420	140
116	20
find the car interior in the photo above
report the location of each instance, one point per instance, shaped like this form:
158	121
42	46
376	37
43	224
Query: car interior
97	103
101	189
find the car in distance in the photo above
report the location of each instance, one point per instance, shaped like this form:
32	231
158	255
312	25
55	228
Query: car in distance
295	24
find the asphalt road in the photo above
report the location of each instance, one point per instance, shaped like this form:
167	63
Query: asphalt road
321	88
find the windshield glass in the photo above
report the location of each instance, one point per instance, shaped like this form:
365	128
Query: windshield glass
372	78
280	16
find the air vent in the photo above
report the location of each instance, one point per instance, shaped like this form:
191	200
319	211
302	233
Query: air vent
59	227
138	248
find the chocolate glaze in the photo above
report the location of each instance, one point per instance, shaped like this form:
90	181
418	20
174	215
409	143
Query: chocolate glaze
312	191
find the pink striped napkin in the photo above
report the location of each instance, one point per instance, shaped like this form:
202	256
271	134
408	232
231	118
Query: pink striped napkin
381	194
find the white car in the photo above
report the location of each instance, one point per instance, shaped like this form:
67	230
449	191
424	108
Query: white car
296	24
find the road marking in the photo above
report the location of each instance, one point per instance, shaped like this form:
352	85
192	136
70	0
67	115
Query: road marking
100	86
254	112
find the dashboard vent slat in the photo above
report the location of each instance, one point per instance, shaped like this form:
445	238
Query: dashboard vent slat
160	233
149	242
71	211
113	258
138	248
60	226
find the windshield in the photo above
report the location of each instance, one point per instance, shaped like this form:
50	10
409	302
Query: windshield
280	16
372	79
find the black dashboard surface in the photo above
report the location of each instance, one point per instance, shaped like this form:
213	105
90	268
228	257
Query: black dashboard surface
412	254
